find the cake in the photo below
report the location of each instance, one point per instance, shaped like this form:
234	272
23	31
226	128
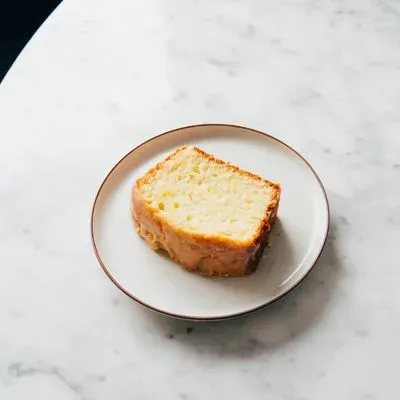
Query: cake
207	214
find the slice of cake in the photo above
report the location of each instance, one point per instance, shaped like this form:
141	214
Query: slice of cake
208	215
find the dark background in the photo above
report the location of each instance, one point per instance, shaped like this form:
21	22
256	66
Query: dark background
19	19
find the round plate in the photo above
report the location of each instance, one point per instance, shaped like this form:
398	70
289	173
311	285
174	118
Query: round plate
155	281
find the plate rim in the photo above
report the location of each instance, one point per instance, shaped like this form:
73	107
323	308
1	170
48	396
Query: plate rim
226	316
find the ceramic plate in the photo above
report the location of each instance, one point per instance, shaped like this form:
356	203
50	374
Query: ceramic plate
153	280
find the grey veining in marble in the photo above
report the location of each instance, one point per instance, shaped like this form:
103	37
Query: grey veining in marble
100	77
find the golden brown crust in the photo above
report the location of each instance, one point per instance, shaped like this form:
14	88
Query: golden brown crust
209	254
228	165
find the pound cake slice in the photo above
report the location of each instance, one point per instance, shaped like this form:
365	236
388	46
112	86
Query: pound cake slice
208	215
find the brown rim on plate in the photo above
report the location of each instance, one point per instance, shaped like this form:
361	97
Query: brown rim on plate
222	317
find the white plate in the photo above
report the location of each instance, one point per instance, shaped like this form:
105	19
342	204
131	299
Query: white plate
156	282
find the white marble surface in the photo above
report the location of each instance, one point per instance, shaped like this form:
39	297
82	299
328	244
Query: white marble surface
103	75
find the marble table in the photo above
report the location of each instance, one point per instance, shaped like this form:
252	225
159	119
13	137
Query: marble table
101	76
